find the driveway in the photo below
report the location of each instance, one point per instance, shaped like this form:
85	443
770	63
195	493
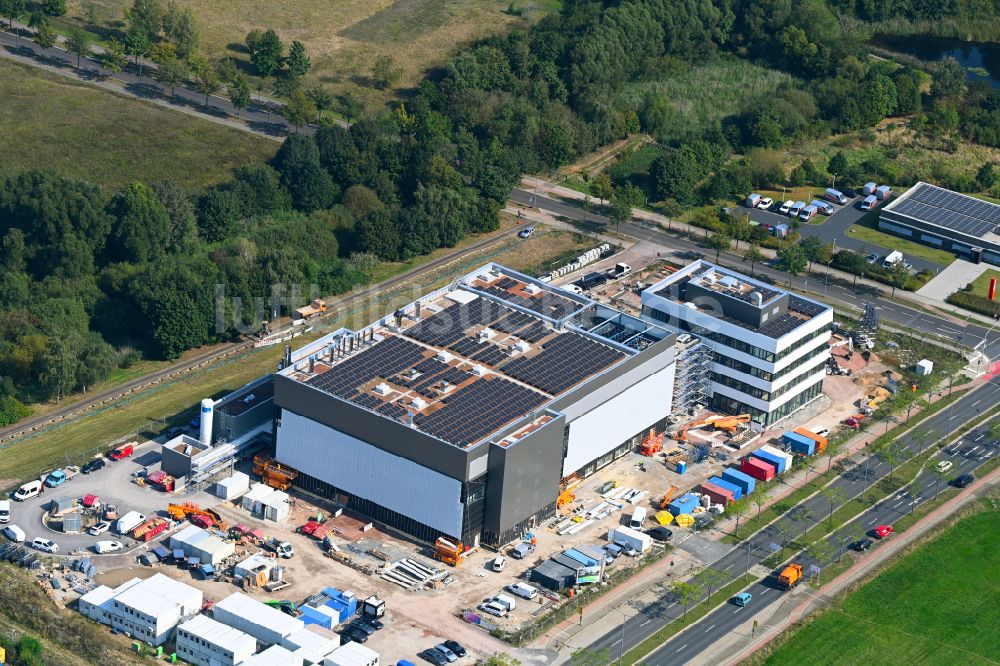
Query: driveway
114	485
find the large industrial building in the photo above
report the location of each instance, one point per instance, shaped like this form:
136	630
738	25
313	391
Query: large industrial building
769	347
956	222
460	415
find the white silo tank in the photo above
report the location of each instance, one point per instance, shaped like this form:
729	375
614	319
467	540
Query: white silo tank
207	412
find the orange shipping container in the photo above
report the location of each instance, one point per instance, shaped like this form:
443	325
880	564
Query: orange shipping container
820	441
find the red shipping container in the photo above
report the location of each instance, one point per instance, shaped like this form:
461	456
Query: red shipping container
718	495
757	468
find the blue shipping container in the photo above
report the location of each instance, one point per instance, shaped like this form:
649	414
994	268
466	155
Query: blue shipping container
745	481
684	504
586	561
778	462
799	443
722	483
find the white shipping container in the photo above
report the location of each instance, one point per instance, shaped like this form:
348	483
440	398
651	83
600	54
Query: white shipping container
273	656
268	625
352	654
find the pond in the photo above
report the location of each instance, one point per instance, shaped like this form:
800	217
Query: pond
980	60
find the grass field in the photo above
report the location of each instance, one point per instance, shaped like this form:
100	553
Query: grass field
707	93
981	285
865	231
938	605
172	402
343	37
51	122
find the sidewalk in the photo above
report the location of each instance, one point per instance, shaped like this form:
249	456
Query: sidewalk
741	644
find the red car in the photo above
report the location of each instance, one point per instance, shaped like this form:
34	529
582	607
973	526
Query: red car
882	531
122	452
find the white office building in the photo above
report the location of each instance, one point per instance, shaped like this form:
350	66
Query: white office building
274	656
769	346
204	642
352	654
150	609
268	625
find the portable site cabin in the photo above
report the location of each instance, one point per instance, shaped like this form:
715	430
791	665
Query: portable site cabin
268	625
232	487
684	504
745	481
800	444
757	468
312	643
736	490
275	506
553	575
274	656
251	500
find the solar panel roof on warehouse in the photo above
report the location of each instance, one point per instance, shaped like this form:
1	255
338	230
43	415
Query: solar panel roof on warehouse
474	359
951	210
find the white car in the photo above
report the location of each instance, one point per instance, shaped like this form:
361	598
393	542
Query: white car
765	203
944	466
108	546
45	545
100	528
493	608
785	207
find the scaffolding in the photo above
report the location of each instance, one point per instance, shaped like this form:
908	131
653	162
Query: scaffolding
692	385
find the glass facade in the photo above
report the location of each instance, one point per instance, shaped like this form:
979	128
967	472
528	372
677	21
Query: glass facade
733	406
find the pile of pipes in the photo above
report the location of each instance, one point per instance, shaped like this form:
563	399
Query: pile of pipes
410	574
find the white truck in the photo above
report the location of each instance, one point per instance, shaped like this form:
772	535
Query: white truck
634	538
892	258
129	522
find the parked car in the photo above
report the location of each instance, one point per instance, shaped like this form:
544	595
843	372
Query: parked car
849	193
448	654
742	599
45	545
660	533
785	207
108	546
873	257
100	528
351	633
523	590
862	545
123	451
765	203
964	480
627	549
883	531
613	549
434	657
526	232
498	563
174	432
493	608
944	466
455	647
93	466
362	625
907	265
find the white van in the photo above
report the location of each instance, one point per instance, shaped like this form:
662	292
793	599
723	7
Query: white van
892	258
638	516
129	522
4	511
28	490
503	600
14	533
523	590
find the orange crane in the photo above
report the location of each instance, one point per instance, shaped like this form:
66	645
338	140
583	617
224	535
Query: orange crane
669	495
188	509
566	494
652	443
273	473
728	423
448	551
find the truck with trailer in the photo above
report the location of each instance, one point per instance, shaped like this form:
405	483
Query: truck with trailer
790	576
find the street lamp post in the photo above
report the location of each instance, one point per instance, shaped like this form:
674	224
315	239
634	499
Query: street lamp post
864	481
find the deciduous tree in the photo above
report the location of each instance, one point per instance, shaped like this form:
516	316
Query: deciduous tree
78	43
266	51
753	255
239	92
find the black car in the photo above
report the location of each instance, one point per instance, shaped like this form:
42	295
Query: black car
964	480
862	545
93	466
434	657
174	432
362	625
372	622
849	193
660	533
351	633
456	648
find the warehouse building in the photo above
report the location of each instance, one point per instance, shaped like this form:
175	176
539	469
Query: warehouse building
196	542
948	220
204	642
769	347
460	414
147	610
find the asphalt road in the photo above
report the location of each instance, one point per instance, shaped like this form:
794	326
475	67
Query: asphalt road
973	451
833	290
834	230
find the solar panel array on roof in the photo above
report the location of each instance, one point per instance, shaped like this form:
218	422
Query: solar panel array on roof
446	327
512	322
534	333
805	307
948	209
383	359
479	409
563	362
546	303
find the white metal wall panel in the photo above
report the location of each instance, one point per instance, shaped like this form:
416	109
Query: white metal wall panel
608	425
367	471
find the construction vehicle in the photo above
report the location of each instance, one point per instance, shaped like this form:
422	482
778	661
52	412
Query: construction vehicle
318	306
273	473
669	495
189	509
566	494
448	551
730	424
150	529
790	577
282	549
652	443
285	606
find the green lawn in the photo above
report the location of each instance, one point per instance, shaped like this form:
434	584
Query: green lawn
937	605
981	285
52	122
864	230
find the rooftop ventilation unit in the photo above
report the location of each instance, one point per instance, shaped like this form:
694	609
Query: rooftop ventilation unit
487	334
444	356
382	389
419	404
532	289
478	370
522	346
757	298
